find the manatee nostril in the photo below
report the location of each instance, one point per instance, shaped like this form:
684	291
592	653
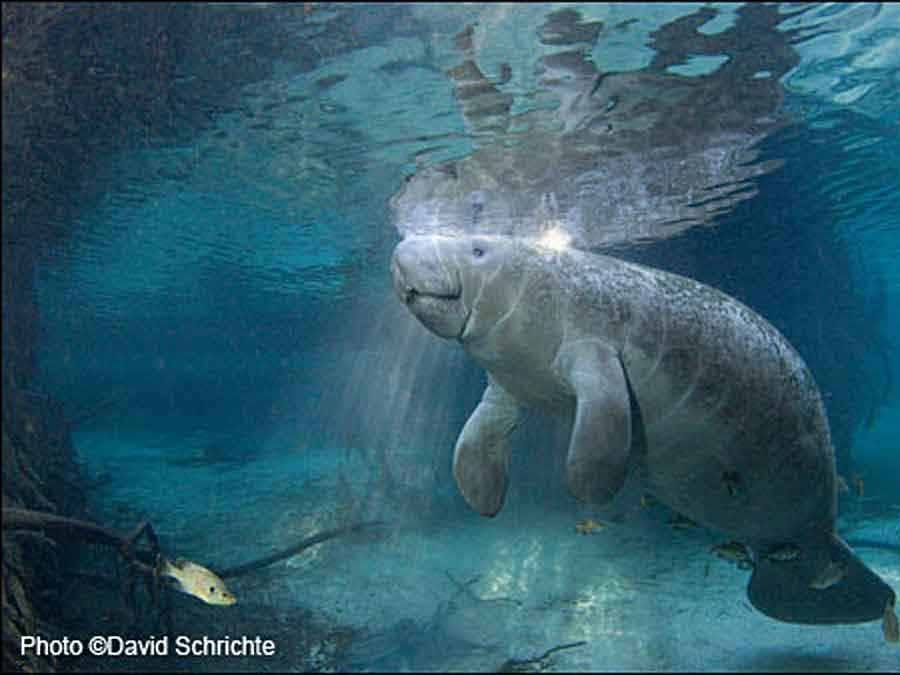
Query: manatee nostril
409	294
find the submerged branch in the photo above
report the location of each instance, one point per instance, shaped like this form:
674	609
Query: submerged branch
49	523
317	538
26	520
538	663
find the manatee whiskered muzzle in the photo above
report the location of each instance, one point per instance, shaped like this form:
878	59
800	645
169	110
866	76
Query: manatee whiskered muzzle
430	286
408	294
409	291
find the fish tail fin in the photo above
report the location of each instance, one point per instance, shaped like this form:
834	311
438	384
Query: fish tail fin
796	591
165	568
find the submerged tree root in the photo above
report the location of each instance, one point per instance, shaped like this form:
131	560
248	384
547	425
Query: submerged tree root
142	564
537	664
143	560
293	550
60	526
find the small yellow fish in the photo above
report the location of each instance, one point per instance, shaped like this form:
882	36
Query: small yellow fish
196	580
681	522
647	501
890	625
734	551
832	574
588	526
783	553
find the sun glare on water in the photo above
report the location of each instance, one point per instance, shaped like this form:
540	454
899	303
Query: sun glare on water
556	239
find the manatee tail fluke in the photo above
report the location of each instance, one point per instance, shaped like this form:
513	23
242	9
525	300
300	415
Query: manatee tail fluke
826	584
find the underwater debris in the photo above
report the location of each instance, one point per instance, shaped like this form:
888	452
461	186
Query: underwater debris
141	562
190	578
322	654
859	485
538	664
463	587
842	486
15	519
458	626
889	625
293	550
378	648
589	526
732	482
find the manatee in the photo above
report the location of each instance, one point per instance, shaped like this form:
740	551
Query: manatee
658	373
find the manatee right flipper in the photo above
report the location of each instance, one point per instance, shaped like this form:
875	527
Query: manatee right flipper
600	445
788	590
481	456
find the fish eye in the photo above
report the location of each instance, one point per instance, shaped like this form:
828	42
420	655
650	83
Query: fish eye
477	251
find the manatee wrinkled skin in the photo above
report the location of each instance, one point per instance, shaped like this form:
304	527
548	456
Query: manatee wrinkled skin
711	403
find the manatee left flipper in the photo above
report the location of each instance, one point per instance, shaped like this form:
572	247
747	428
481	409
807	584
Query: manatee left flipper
599	447
481	456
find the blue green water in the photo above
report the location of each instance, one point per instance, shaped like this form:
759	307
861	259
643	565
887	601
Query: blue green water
225	293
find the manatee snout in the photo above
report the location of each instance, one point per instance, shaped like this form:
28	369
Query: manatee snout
421	266
403	290
427	280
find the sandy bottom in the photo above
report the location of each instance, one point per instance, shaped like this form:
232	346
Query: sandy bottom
439	588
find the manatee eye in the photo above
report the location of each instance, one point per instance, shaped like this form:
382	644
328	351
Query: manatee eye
478	200
212	590
477	251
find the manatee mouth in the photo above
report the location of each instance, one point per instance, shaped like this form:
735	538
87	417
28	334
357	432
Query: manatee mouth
435	309
410	294
431	291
